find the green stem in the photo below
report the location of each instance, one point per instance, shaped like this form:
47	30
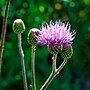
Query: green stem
33	68
61	66
22	61
54	72
3	34
48	81
54	63
52	75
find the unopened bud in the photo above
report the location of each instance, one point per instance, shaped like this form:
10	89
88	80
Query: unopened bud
18	26
67	53
32	36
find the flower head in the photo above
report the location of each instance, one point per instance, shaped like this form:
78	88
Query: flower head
56	36
32	36
67	53
18	26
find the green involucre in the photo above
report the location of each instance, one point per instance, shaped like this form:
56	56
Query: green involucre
18	26
67	53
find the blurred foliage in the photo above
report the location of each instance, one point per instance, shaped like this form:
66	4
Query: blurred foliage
76	74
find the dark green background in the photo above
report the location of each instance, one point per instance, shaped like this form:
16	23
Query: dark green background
76	73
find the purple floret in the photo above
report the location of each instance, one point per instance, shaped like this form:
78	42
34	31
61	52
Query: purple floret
56	35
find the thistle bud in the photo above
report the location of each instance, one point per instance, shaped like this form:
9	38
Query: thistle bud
67	53
32	36
18	26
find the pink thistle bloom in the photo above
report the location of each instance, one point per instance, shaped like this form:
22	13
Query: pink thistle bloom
56	35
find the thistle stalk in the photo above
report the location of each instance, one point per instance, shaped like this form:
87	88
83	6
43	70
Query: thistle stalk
22	62
54	72
3	34
32	40
33	68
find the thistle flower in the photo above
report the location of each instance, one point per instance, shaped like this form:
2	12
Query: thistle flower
56	36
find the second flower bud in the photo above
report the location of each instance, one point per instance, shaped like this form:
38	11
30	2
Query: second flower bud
32	36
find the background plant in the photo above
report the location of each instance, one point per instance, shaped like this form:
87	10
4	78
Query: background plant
75	76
